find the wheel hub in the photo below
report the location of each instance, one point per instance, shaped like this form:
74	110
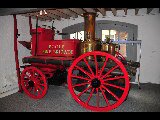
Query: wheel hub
95	83
31	83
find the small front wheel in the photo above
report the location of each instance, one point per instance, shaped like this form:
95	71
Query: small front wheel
34	82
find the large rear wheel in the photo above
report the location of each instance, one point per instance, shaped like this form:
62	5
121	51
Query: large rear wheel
98	81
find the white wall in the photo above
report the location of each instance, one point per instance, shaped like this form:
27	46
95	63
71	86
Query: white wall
7	64
8	76
148	32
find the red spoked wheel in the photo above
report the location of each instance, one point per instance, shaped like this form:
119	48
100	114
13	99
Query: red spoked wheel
119	56
98	79
34	82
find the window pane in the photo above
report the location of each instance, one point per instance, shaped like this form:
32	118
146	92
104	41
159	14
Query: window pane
73	36
105	34
77	35
81	35
112	34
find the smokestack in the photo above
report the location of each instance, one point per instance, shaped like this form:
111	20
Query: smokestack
89	44
89	26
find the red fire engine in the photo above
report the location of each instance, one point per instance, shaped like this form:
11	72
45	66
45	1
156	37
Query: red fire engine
97	79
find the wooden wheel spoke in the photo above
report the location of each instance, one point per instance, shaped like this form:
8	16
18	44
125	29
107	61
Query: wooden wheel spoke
28	77
88	66
80	84
104	64
104	96
81	69
84	91
96	64
110	92
25	81
111	70
31	73
37	76
90	96
40	90
79	77
115	86
38	87
34	72
40	84
115	78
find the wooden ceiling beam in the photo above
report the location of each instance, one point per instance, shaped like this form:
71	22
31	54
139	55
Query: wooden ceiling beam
102	11
136	11
91	10
57	14
60	13
114	11
49	13
68	13
34	15
78	11
125	10
149	10
47	16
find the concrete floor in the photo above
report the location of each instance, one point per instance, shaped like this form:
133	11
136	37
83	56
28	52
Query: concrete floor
58	99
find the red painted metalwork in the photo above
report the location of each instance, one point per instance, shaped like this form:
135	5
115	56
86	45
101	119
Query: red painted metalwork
47	46
119	55
16	52
102	79
34	82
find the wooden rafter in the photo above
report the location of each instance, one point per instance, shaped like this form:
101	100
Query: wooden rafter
78	11
125	11
89	10
58	13
34	15
136	11
149	10
114	11
102	11
68	12
54	16
46	17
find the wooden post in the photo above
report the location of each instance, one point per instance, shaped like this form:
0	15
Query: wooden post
16	52
30	24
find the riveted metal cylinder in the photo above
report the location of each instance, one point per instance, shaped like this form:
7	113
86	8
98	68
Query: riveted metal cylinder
89	26
89	44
